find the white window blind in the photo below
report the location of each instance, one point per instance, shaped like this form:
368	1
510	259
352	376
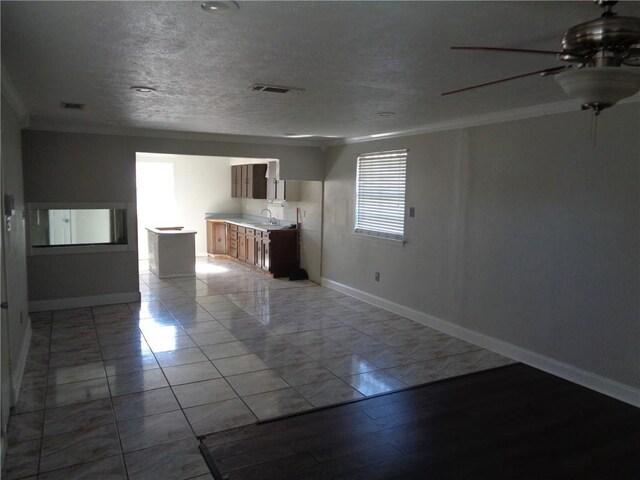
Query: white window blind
380	194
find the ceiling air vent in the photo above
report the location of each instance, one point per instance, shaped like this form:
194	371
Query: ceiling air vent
259	87
72	106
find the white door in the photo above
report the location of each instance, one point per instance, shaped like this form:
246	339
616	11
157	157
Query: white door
59	227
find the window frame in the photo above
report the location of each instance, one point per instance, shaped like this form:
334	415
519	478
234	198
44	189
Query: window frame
396	213
129	217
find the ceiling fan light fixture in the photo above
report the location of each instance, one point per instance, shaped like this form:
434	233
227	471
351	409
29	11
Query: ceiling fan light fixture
599	87
632	58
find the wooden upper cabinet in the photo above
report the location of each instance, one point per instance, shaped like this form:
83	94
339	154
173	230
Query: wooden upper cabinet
257	181
244	180
276	189
281	190
235	181
249	181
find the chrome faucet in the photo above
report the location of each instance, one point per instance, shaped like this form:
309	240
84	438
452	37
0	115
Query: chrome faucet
272	219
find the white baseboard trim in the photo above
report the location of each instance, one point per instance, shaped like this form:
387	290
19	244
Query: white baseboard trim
18	372
78	302
612	388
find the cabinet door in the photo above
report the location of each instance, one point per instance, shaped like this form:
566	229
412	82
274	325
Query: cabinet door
251	247
232	240
271	180
249	181
242	246
271	188
220	236
244	181
210	238
266	256
281	190
258	181
258	261
283	252
235	181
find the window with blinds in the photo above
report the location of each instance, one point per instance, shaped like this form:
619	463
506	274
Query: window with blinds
380	194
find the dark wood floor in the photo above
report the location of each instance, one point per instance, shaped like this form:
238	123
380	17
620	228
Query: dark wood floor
513	422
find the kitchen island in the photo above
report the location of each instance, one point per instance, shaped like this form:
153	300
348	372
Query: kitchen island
172	252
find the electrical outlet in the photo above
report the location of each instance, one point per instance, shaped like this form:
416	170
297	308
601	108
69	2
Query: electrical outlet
412	212
377	276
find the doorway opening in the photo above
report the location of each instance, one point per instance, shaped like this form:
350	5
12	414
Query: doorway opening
156	199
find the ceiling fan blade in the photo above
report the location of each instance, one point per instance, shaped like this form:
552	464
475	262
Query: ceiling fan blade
546	71
513	50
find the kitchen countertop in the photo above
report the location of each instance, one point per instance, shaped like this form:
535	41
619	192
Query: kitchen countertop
170	232
250	221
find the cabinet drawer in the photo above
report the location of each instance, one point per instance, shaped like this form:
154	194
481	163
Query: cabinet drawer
233	243
232	228
242	230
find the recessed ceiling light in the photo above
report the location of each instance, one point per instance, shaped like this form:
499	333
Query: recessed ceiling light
386	114
220	8
142	89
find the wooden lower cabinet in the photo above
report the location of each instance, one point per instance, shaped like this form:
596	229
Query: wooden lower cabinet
258	261
282	252
242	244
273	251
216	238
251	247
265	255
232	240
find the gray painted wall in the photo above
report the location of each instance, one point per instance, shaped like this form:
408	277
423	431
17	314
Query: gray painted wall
14	245
524	231
74	167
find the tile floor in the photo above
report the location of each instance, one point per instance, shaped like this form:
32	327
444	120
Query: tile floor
122	391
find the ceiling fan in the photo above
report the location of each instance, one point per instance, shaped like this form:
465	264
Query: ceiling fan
597	53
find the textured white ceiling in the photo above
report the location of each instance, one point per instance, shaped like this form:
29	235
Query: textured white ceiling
353	59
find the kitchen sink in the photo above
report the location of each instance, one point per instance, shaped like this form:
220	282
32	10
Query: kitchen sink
265	225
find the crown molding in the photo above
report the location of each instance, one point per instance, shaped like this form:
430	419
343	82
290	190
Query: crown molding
474	121
10	93
39	124
465	122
